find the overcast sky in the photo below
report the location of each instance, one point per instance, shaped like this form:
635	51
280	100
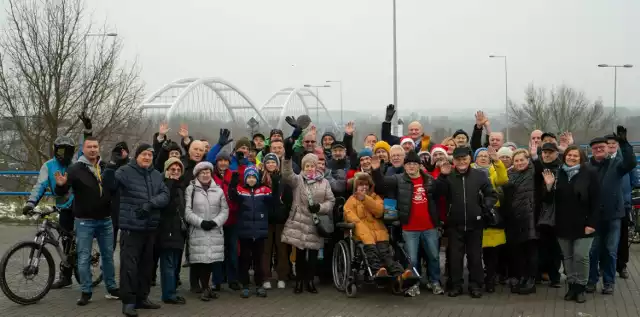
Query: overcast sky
443	47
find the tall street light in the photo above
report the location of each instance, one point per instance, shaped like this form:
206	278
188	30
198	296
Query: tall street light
395	61
317	99
340	83
84	66
615	85
506	94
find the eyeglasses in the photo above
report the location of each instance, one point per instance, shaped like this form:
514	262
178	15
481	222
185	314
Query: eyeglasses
309	141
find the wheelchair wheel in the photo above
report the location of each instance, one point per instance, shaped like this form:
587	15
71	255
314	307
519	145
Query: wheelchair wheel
351	290
341	265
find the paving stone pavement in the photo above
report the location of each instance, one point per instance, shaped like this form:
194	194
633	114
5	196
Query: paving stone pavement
546	302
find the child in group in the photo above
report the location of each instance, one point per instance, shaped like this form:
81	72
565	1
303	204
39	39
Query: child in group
365	209
255	200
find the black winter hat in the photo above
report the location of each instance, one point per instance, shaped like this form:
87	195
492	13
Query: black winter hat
597	140
258	135
460	131
143	147
276	131
461	151
412	157
548	135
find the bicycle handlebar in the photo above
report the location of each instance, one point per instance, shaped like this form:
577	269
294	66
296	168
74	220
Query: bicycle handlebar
44	211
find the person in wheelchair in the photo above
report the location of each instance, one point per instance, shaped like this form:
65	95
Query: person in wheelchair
365	209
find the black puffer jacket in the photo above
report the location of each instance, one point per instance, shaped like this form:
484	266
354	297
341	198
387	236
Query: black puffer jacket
469	196
278	213
170	233
519	206
400	187
142	196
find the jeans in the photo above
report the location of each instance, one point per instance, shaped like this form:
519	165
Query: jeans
101	230
231	252
606	240
217	273
169	263
576	259
431	246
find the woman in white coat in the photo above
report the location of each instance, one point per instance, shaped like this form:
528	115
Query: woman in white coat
206	211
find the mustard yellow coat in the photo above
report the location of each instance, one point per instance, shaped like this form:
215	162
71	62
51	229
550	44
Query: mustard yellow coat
493	237
367	216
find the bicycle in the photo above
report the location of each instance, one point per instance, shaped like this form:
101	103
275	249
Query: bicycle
37	249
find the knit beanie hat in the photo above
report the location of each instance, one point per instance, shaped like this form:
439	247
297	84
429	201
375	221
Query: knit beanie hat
508	144
202	166
412	157
475	155
244	141
303	121
309	159
271	157
276	131
460	131
258	135
251	171
505	151
406	139
364	153
223	155
382	145
439	148
121	146
172	161
329	134
143	147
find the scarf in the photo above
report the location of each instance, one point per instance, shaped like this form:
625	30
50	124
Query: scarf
310	179
571	171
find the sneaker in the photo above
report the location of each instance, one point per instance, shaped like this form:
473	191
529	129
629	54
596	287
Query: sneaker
261	292
245	293
607	289
590	288
147	304
179	300
61	283
85	298
129	310
281	284
436	289
266	285
113	294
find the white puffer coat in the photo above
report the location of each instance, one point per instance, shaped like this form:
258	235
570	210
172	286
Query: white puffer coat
205	246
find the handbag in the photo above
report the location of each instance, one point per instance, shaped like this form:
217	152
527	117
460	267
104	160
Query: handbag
548	211
324	225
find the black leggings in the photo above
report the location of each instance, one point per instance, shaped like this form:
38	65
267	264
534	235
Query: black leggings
203	273
306	263
526	254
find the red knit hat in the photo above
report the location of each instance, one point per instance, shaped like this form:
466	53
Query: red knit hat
439	148
406	139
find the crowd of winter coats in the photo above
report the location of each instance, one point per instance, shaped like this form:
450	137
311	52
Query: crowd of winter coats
243	205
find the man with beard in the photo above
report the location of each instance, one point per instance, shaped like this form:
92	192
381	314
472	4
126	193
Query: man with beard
339	166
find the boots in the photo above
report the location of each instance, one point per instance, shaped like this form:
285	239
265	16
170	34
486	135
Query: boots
580	293
515	288
311	287
64	279
529	286
571	292
298	289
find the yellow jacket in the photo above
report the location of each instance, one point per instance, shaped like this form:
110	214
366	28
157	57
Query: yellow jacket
367	216
493	237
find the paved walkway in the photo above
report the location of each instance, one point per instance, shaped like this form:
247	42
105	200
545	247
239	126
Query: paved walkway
371	302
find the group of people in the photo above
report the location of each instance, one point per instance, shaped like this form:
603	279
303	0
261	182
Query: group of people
516	214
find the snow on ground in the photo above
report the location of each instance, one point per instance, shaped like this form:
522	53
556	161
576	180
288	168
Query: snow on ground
7	211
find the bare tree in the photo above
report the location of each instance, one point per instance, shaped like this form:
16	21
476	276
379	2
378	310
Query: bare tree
48	75
560	109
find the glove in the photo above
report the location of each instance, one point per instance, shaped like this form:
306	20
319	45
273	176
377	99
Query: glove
27	209
621	134
292	122
391	111
288	149
207	225
314	209
296	133
235	178
224	137
239	157
141	213
85	120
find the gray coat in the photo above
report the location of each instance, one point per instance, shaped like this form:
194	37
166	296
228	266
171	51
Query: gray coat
205	246
299	230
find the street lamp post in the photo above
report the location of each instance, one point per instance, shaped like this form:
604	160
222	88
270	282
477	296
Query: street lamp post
317	99
84	64
615	85
506	94
395	61
341	109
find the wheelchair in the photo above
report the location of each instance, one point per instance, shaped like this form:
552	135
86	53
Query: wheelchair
351	267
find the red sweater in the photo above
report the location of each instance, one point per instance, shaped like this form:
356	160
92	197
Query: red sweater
223	182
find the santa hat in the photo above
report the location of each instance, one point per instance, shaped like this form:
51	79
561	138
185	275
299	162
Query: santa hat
439	148
406	139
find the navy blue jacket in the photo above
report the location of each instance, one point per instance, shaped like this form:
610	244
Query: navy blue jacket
611	172
253	215
143	195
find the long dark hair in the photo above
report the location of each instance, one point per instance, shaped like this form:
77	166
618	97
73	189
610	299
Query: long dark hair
582	153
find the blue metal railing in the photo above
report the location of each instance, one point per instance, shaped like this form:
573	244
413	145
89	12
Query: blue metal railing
20	173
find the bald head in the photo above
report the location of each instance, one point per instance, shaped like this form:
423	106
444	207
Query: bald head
196	150
496	140
536	136
415	130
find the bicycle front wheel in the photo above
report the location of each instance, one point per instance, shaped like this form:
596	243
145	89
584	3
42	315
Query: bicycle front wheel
29	270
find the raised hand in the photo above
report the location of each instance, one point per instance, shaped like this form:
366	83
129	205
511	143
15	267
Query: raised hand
533	148
390	112
224	138
184	131
86	121
163	129
60	178
313	130
481	119
360	193
493	155
569	138
548	176
588	230
349	128
291	121
375	162
621	134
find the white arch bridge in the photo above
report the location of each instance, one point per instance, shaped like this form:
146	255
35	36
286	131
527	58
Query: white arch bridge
216	100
